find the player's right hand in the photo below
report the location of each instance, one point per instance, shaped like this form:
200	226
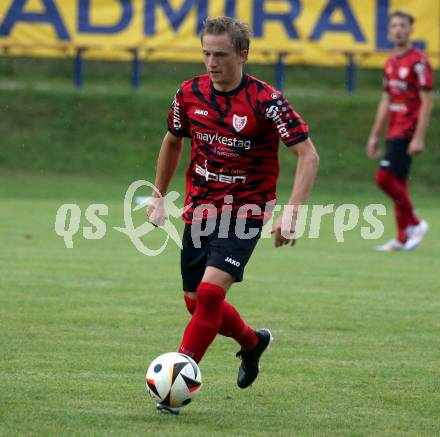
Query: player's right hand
373	150
156	213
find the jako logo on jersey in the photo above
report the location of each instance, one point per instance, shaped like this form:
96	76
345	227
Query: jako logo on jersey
176	115
272	113
239	122
232	261
201	112
216	138
210	176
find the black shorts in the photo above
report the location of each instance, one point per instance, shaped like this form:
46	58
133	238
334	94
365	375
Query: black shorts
229	254
396	157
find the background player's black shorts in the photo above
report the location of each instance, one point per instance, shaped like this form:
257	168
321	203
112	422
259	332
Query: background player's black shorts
396	157
229	254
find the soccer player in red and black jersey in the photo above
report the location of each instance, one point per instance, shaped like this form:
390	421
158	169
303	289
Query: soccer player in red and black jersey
406	104
235	122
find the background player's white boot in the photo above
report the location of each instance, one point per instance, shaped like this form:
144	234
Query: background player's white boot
390	246
415	235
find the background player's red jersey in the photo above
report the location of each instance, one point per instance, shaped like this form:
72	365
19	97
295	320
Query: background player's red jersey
405	76
234	140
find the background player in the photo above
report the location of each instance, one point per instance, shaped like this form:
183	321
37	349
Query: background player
407	104
235	122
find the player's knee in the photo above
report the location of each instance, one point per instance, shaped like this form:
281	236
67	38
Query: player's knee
210	299
190	304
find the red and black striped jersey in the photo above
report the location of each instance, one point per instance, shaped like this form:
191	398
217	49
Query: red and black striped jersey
234	142
404	77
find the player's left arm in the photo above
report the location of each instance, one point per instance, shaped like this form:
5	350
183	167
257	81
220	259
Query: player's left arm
417	144
424	81
306	169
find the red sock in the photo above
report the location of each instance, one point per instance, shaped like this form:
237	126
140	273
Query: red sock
205	322
232	325
411	216
190	304
396	188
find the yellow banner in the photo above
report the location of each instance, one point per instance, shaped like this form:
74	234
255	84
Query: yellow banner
319	32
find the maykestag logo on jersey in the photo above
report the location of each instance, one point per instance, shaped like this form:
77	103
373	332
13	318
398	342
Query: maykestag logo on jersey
211	176
199	111
397	107
220	139
395	83
239	122
272	113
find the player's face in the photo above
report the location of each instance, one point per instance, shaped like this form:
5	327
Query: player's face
399	30
223	64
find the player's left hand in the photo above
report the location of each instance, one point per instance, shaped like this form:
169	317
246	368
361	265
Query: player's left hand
416	146
285	234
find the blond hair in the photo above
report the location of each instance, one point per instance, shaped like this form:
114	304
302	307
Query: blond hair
237	30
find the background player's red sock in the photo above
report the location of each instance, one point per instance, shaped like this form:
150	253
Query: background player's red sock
232	325
205	322
397	189
411	217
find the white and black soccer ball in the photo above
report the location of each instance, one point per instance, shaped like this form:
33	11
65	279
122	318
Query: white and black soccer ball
173	379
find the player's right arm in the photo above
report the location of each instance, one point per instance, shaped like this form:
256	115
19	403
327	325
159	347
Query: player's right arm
373	150
167	162
169	157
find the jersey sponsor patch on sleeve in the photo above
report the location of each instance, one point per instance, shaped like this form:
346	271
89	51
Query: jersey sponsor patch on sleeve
420	69
273	114
289	125
424	75
177	119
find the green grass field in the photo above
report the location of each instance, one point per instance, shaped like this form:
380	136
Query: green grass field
356	348
356	332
